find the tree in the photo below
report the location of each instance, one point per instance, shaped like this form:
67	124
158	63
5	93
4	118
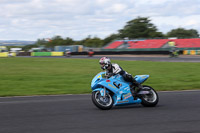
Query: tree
140	28
183	33
55	41
28	47
40	42
68	41
92	42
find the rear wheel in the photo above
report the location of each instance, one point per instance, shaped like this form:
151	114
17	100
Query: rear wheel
151	99
101	102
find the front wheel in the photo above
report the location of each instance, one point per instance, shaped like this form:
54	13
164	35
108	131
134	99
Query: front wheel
151	99
101	102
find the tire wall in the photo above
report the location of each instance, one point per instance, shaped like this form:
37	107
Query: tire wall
191	52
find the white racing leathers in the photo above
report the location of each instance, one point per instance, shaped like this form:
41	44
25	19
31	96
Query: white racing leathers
116	69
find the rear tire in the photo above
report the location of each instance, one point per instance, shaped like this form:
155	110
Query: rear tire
101	102
149	100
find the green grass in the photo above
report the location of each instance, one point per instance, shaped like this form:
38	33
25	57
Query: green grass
45	76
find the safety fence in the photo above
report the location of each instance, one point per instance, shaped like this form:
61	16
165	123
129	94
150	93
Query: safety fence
7	54
184	52
47	53
4	54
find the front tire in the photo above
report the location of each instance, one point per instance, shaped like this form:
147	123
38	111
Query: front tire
149	100
101	102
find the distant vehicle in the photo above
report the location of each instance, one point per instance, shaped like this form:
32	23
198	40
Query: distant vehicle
174	52
90	53
10	54
15	49
67	52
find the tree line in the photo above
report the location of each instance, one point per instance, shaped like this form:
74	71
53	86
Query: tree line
139	28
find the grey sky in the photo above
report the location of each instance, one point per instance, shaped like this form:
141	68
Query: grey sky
33	19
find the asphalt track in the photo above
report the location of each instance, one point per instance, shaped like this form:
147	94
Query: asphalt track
176	112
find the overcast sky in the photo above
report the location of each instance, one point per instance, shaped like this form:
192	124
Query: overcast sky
34	19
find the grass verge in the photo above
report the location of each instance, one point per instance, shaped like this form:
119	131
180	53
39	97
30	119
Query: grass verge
45	76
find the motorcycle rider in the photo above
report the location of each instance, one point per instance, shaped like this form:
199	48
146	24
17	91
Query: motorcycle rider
113	69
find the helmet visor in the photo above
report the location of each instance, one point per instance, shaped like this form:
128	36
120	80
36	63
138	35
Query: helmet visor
102	64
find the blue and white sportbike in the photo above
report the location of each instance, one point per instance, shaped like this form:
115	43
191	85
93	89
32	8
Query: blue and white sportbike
114	91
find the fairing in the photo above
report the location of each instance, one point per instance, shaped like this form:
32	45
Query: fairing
120	89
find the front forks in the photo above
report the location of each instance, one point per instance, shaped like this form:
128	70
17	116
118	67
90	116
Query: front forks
103	92
103	95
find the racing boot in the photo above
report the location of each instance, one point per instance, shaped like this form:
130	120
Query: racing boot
137	89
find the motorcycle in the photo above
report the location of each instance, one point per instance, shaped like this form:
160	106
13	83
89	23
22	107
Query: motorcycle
174	54
90	53
115	91
67	54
